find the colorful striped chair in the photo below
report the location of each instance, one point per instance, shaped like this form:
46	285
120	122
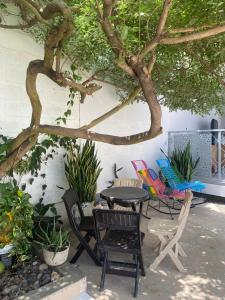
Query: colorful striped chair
174	181
167	198
153	183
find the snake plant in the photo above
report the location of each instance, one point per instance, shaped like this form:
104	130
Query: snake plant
183	163
82	169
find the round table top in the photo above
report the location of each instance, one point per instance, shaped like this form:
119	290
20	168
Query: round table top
125	193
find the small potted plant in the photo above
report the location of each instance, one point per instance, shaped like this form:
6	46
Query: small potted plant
55	244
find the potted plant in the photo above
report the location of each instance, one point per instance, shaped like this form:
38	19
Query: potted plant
82	169
55	244
16	222
183	162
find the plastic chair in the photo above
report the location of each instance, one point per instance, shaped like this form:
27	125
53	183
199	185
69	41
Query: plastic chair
158	188
122	235
174	181
167	199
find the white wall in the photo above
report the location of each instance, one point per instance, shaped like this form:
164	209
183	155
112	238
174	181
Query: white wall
17	49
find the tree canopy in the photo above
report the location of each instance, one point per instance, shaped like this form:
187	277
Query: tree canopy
160	51
181	79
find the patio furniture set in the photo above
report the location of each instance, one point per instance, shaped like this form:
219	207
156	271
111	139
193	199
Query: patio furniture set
117	228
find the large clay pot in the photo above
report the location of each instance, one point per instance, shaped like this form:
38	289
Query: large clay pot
55	259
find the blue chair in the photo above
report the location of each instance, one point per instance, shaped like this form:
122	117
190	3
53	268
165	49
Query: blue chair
174	181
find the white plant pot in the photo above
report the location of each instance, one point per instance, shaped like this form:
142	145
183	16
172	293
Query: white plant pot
87	208
7	249
55	259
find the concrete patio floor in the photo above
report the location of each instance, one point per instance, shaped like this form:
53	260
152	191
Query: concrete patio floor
204	243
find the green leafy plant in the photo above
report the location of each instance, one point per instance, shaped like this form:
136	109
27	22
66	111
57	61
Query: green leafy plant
183	162
16	220
54	238
41	215
82	169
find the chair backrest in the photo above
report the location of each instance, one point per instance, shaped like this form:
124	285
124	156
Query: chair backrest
116	220
151	179
73	207
139	165
128	182
168	172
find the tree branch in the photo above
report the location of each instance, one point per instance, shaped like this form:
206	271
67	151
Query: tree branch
162	21
23	146
193	37
114	110
161	25
114	40
104	138
32	6
151	64
113	37
190	29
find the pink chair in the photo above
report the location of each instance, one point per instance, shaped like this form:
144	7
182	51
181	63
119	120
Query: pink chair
157	188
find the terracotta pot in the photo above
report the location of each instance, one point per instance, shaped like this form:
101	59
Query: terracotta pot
55	259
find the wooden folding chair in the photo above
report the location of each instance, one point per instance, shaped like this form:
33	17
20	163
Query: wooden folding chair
80	224
126	182
122	236
169	233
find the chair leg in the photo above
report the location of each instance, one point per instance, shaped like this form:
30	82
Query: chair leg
133	207
181	251
102	283
80	249
176	261
137	276
85	237
163	243
142	265
163	254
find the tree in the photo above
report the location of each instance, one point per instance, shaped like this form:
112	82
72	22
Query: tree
161	52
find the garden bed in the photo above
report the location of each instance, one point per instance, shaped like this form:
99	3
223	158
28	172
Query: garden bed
37	281
25	278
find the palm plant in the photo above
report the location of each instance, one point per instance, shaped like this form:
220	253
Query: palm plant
82	169
183	163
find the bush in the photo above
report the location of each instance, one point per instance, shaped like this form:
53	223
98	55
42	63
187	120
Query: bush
16	220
